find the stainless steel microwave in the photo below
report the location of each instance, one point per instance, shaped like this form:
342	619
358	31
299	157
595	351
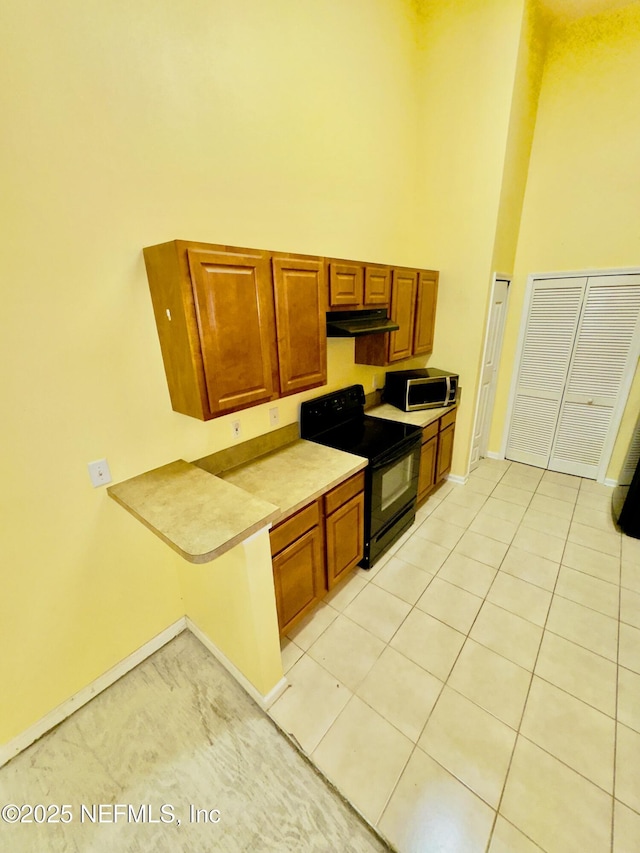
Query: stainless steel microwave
426	388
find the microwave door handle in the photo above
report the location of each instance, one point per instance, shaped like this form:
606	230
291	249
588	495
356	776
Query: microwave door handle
448	397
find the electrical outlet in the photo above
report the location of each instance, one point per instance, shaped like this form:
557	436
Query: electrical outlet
99	472
274	416
235	429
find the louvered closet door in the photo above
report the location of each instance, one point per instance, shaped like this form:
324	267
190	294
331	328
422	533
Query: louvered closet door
600	360
549	338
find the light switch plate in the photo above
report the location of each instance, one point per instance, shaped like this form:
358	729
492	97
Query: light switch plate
235	429
99	472
274	416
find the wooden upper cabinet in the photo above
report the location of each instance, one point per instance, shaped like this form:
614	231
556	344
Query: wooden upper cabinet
403	306
215	316
413	307
299	288
346	285
425	312
377	286
234	307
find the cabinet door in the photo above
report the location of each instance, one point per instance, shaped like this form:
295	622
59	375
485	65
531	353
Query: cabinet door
425	312
445	451
344	539
299	287
403	306
377	286
234	310
298	578
345	285
427	478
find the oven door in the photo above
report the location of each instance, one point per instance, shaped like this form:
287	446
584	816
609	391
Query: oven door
394	487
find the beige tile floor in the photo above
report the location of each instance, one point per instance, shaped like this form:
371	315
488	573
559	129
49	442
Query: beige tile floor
479	688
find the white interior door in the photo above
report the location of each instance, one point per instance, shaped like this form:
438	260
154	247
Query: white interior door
487	389
600	361
552	322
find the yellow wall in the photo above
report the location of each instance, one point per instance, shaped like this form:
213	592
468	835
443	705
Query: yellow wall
278	124
582	204
390	130
233	602
522	121
469	55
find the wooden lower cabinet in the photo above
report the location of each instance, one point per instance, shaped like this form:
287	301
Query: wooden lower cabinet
298	565
436	454
298	575
428	459
344	539
314	549
445	452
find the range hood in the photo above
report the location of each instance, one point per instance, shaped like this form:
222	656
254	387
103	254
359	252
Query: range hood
350	324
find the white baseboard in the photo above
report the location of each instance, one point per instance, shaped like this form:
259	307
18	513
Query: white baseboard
266	701
492	454
456	478
610	482
64	710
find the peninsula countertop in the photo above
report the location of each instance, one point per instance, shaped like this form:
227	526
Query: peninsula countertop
201	515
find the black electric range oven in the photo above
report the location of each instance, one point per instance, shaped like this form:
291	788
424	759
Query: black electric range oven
393	450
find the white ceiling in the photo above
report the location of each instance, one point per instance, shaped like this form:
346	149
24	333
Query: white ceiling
570	10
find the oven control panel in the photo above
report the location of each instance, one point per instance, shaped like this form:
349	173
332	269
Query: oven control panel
331	410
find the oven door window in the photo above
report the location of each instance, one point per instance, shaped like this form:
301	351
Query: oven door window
394	486
395	482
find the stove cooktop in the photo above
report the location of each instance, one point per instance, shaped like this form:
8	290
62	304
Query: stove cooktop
338	420
369	437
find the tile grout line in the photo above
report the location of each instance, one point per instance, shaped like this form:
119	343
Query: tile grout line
524	707
615	733
515	741
413	606
444	683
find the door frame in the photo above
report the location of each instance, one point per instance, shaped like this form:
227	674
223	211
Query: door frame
496	277
625	385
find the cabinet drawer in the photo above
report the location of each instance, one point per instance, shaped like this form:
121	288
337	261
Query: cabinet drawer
341	494
448	419
291	529
429	431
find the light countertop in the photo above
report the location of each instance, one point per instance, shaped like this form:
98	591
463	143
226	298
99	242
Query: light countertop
198	515
293	476
201	515
421	417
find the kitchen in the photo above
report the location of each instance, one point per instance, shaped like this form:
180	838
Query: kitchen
110	149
